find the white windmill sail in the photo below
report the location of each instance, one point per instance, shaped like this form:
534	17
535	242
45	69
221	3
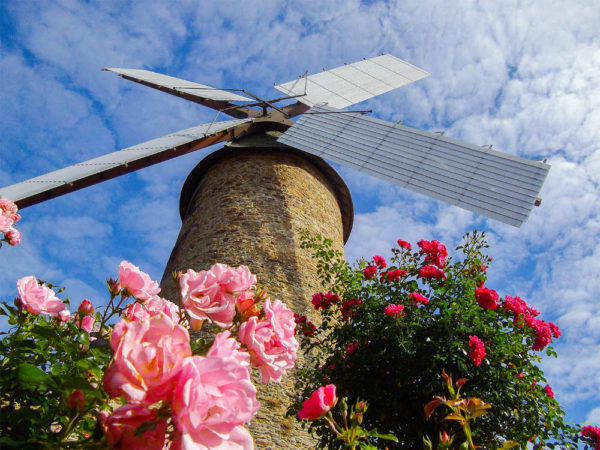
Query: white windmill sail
353	83
491	183
77	176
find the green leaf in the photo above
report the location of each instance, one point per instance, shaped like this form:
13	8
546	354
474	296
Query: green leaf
30	374
9	443
388	436
509	444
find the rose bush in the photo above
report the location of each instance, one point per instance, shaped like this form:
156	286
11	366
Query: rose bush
406	330
77	380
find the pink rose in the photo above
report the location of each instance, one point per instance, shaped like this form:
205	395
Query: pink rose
8	207
64	315
6	223
87	323
486	298
548	391
120	428
147	359
246	305
394	310
319	403
39	299
13	236
214	397
270	341
210	294
238	439
431	272
137	283
137	311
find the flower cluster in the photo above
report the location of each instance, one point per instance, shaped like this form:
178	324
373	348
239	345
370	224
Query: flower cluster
350	307
435	252
417	298
380	261
523	313
208	398
8	217
324	301
211	294
431	271
394	310
369	271
478	350
393	275
592	432
37	298
304	326
425	308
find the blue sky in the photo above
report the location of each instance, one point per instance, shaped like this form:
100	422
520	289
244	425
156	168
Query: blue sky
521	75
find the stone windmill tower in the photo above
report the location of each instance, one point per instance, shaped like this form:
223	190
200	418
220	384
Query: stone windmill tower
248	202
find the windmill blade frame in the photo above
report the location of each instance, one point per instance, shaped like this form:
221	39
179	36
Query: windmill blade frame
488	182
121	162
202	94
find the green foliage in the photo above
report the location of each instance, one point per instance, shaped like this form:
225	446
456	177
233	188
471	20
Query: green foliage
42	362
399	360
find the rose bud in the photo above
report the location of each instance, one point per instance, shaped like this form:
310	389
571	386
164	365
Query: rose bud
76	400
85	308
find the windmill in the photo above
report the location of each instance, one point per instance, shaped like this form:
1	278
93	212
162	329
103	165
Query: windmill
247	203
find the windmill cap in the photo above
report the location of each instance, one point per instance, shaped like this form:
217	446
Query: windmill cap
342	193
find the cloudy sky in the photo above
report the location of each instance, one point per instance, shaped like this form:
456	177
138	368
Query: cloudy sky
521	75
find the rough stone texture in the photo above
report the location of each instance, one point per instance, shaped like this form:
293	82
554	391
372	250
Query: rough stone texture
249	208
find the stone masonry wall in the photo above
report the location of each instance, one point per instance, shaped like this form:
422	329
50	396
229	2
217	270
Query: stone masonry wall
249	209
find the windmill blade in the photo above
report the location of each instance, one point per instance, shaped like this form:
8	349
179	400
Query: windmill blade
488	182
198	93
353	83
111	165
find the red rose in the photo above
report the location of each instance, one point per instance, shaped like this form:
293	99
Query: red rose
380	261
369	271
417	298
431	272
478	352
394	310
319	403
404	244
486	298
